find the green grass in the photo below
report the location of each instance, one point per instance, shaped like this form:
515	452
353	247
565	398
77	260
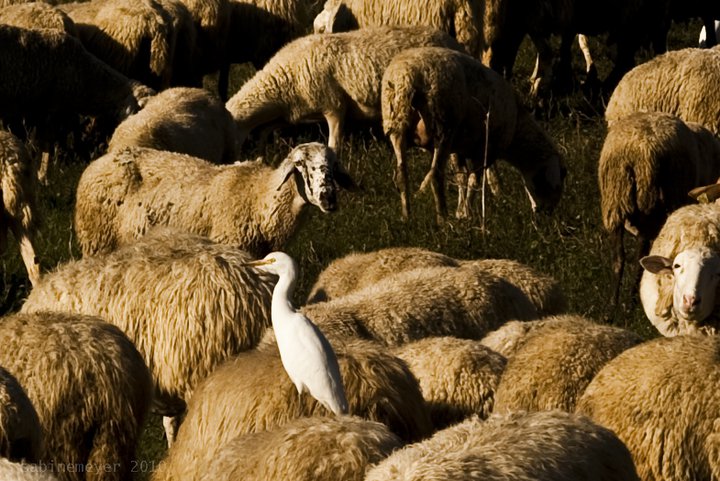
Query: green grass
571	245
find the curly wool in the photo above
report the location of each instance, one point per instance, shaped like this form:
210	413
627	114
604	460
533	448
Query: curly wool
556	363
96	424
543	446
317	448
330	75
184	120
18	188
682	83
21	437
358	270
37	15
511	336
458	377
662	399
460	18
251	393
162	285
439	301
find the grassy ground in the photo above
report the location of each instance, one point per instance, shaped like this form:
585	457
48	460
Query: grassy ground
571	245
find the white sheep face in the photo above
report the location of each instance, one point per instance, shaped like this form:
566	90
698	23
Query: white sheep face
318	169
696	273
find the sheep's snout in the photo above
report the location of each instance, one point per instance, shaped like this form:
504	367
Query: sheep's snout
328	201
690	302
696	274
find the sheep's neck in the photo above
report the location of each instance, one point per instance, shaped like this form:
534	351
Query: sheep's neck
281	305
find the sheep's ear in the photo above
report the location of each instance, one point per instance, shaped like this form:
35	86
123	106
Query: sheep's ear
706	194
343	179
341	19
287	169
656	264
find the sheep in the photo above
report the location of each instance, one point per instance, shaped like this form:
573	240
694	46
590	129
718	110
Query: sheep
250	394
708	41
184	69
462	384
648	163
317	448
681	82
134	37
330	76
542	446
250	205
192	285
463	302
511	336
184	120
89	385
662	400
21	437
37	15
459	18
361	269
55	79
460	106
677	287
18	193
556	363
10	471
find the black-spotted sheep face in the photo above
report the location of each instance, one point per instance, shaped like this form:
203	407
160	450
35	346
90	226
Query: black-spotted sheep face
317	164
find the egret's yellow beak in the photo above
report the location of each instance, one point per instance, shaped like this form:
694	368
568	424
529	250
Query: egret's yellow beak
261	262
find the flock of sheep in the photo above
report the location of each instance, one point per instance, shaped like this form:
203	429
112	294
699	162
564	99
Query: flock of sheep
453	369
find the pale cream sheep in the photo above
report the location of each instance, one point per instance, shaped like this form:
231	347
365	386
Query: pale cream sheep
37	15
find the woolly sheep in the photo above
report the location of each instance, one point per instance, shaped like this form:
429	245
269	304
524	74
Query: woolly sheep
96	424
543	446
330	76
556	363
135	37
37	15
682	83
317	448
460	18
250	204
425	94
662	399
184	120
648	163
250	394
361	269
511	336
21	437
437	301
683	261
458	377
18	208
191	286
10	471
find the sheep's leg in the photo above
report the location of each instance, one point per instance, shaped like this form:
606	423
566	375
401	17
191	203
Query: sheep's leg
31	262
710	40
401	178
618	263
543	65
461	179
335	126
562	75
436	176
44	167
171	425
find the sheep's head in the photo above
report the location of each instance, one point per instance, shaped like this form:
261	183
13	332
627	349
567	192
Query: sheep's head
335	17
544	183
318	174
695	273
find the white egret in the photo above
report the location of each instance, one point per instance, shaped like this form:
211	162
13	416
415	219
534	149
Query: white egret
306	355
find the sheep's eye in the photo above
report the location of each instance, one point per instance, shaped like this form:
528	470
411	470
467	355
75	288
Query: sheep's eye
676	266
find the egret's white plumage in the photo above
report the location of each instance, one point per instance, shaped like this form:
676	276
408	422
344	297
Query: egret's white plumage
306	355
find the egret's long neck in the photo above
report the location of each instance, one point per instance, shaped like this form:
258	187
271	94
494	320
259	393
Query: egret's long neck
282	293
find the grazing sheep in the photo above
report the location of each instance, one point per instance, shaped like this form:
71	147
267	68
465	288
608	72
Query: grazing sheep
317	448
543	446
135	37
682	83
458	377
460	18
37	15
361	269
89	385
662	399
464	302
191	286
454	104
10	471
678	285
556	363
184	120
21	437
648	163
330	76
18	195
251	205
250	393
